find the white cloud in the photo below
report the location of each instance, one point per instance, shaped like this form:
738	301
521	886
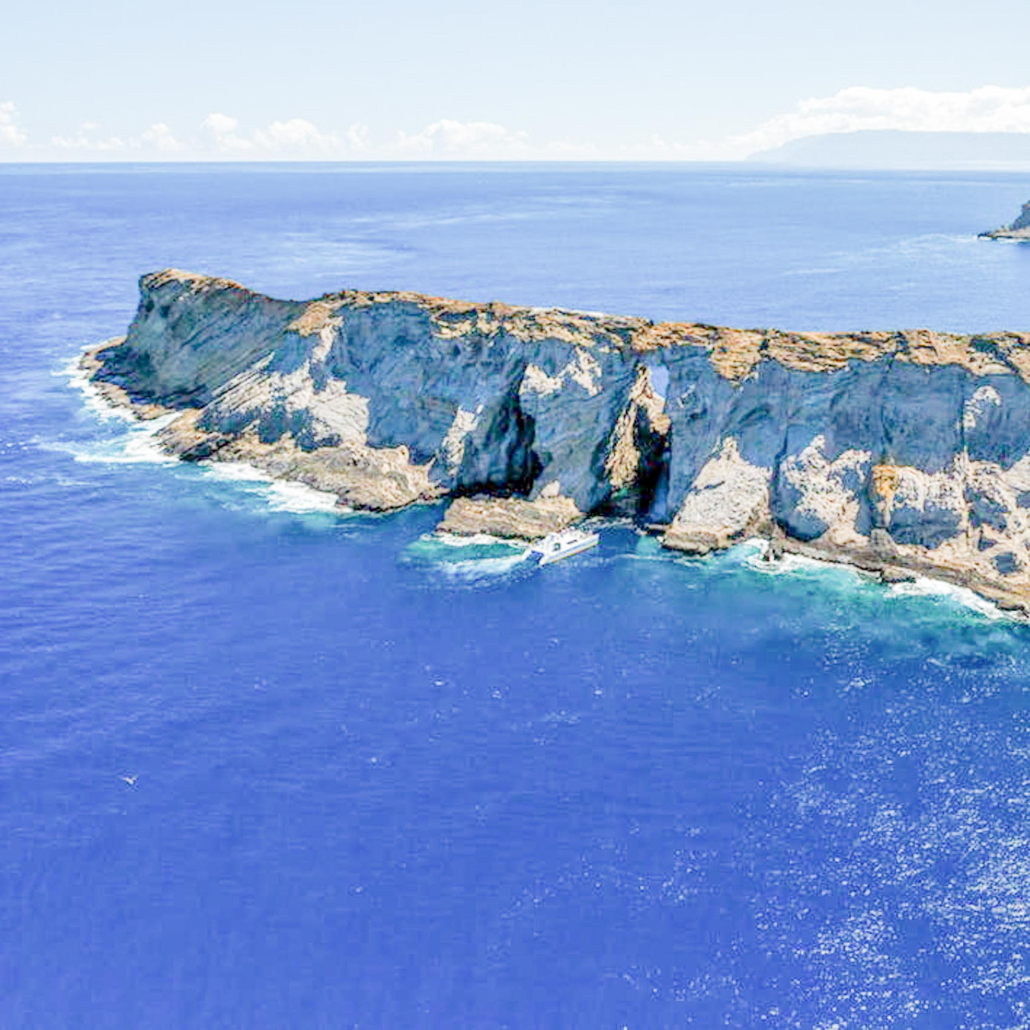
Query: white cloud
453	139
984	109
220	124
222	134
85	140
159	137
297	137
358	137
11	132
293	138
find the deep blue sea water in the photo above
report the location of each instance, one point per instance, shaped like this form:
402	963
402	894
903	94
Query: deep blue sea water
266	766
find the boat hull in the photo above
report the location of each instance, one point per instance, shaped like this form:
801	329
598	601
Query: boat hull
567	552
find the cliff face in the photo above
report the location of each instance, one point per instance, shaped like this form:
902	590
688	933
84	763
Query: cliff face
906	449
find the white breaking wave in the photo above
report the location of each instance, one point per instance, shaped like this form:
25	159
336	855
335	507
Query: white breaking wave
280	495
300	499
921	586
235	472
138	445
924	587
78	379
755	557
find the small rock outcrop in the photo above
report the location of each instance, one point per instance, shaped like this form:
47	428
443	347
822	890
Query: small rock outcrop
902	452
509	517
1016	230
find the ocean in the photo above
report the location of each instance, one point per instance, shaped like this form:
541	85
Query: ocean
263	764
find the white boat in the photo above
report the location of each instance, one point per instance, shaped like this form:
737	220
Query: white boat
565	544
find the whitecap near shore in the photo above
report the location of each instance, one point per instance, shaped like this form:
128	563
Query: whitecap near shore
96	403
755	556
138	444
922	586
278	494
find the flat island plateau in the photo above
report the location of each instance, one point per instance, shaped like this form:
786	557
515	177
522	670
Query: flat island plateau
899	452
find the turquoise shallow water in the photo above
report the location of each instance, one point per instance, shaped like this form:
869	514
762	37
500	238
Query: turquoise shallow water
266	765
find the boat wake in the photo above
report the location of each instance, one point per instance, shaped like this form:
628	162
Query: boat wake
467	559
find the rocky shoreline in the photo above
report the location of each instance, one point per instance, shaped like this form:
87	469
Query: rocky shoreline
897	452
1018	230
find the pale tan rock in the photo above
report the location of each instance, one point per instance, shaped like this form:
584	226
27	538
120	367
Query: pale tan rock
729	501
624	459
373	479
509	517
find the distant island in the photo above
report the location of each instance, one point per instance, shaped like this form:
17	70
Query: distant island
1019	229
899	452
904	150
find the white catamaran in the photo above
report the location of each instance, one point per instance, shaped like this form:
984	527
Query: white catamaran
568	542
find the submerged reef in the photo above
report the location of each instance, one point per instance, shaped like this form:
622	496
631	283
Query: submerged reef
890	451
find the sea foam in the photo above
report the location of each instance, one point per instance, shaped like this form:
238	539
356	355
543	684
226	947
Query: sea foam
280	495
468	558
755	553
962	596
138	445
95	402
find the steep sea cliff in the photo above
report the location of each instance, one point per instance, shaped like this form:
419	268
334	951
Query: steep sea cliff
892	451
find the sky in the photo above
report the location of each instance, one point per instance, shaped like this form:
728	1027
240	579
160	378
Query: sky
395	79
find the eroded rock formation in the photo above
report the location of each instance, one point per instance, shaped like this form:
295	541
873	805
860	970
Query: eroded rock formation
889	450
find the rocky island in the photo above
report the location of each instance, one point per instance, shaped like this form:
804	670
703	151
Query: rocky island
1015	230
896	452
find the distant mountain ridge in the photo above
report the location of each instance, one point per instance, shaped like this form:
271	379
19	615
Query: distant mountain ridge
897	149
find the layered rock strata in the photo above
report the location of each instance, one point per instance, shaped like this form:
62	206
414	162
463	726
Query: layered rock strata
887	450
